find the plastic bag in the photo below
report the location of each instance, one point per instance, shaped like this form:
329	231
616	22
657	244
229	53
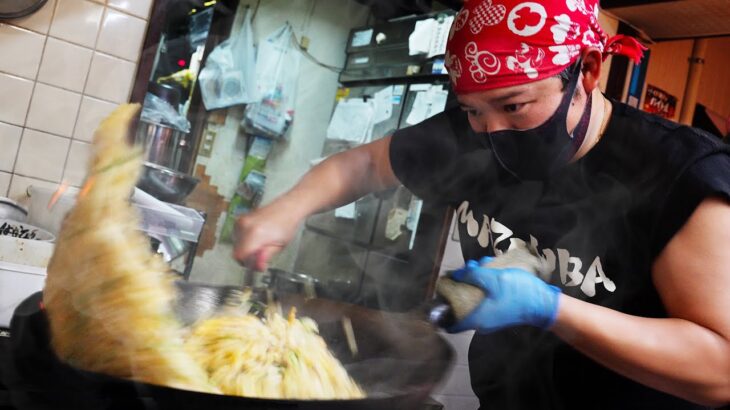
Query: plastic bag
277	74
229	76
158	111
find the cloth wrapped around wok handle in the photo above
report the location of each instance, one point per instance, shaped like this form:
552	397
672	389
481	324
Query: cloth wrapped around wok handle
455	300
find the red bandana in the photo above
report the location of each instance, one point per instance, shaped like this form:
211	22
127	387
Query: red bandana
501	43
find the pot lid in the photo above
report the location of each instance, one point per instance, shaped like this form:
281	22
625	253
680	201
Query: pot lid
13	204
13	9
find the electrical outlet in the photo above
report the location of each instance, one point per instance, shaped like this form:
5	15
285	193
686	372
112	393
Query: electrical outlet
206	146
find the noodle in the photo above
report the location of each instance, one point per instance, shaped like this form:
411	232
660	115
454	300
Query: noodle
109	303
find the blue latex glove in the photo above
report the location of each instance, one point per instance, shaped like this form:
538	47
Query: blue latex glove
513	297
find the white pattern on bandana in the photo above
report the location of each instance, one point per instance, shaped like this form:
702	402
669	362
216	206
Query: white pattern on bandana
453	65
527	31
564	54
459	22
483	63
565	29
590	39
579	5
486	14
526	60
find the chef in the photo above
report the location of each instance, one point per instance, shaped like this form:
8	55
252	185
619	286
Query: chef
630	210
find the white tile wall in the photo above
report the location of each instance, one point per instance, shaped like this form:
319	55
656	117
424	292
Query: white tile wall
121	35
9	141
53	110
91	113
62	70
21	51
39	21
4	183
139	8
110	78
19	186
65	65
76	165
15	99
42	155
77	21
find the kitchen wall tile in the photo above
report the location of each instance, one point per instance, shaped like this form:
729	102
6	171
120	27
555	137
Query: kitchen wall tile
65	65
91	113
77	21
5	183
13	110
19	187
139	8
110	78
42	155
39	21
9	143
77	163
121	35
53	110
21	51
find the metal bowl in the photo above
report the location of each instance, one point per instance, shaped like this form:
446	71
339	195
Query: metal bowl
165	184
12	210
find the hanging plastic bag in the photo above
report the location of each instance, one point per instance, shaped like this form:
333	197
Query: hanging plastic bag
277	74
158	111
229	76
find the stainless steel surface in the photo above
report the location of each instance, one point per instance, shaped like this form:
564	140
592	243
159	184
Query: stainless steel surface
166	184
12	210
163	145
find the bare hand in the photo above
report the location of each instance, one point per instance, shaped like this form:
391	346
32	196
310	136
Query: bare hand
262	234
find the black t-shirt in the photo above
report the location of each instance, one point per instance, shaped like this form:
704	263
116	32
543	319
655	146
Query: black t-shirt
601	221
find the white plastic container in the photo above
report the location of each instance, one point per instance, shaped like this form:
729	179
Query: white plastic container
22	272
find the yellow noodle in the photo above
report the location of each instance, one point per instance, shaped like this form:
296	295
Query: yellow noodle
109	303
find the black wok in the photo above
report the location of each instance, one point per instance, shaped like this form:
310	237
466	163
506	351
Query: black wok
400	360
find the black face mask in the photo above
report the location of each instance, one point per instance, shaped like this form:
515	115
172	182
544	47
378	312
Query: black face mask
537	153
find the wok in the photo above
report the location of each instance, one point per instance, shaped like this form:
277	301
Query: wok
400	360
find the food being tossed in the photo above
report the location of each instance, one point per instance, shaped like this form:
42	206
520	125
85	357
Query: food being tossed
109	301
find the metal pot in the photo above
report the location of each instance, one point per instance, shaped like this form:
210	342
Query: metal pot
400	360
163	144
166	184
12	210
14	9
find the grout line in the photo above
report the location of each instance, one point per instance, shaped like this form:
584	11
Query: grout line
32	93
83	92
14	24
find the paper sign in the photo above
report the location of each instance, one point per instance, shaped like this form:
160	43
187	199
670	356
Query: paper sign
352	121
362	38
346	212
383	105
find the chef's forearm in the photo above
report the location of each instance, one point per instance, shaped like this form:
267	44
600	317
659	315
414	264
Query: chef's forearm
341	179
672	355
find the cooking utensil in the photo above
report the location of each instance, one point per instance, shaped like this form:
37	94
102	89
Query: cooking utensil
12	210
400	361
163	144
455	300
13	9
166	184
21	230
